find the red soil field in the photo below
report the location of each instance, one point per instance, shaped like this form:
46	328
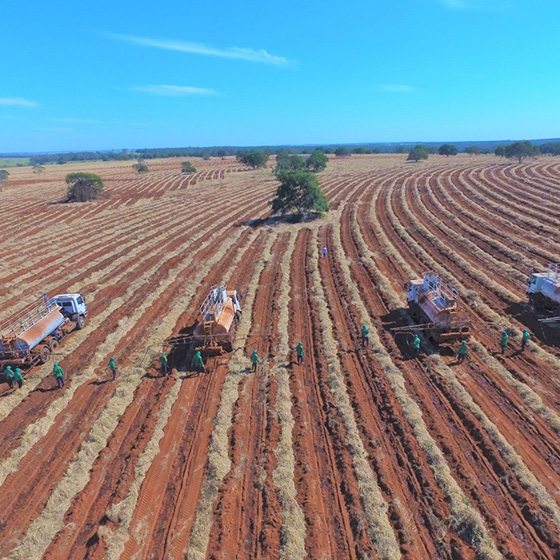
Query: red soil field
359	452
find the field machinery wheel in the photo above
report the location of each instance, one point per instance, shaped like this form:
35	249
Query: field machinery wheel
53	344
44	353
81	322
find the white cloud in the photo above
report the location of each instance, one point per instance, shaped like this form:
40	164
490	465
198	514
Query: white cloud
175	91
395	88
197	48
17	102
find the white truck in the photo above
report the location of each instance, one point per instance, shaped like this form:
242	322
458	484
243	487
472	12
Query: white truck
433	304
543	289
32	335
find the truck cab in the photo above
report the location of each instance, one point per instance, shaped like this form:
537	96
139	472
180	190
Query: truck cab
72	306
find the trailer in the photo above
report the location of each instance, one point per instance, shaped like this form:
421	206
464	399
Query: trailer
433	304
29	338
214	330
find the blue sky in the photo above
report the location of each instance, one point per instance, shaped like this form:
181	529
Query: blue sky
123	74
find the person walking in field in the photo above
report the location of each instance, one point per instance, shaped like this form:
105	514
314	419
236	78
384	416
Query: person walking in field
18	377
415	346
462	352
365	336
324	251
254	361
198	363
113	367
300	352
58	375
504	341
9	374
163	363
524	339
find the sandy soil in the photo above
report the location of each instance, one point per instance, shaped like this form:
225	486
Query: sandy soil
356	453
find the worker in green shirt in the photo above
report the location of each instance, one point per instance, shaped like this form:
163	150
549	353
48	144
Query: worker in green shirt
58	375
524	339
254	360
365	336
462	352
198	363
415	346
504	341
163	363
9	375
18	377
300	352
113	367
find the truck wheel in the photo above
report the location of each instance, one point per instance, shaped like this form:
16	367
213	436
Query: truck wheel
44	354
53	344
81	322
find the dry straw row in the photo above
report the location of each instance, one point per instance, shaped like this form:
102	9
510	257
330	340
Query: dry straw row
219	462
508	453
464	517
293	531
529	396
123	512
51	520
379	527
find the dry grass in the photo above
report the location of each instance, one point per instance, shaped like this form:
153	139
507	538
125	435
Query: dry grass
51	520
122	513
293	531
219	463
379	527
464	517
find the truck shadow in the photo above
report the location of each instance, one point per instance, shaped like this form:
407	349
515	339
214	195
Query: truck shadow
547	333
403	339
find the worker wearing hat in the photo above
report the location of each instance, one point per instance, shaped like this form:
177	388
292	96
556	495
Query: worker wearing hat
18	377
112	366
462	352
504	341
9	374
163	363
365	336
58	374
254	360
198	363
524	339
300	352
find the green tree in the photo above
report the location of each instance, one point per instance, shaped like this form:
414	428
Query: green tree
400	150
520	150
83	186
317	161
500	151
38	169
418	152
3	174
141	167
472	150
287	162
253	158
448	150
299	191
342	151
187	167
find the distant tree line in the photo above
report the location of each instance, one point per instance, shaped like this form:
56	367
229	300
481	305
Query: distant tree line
471	148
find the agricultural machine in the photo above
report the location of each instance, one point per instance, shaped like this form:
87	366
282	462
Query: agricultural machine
433	305
31	336
543	289
214	331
